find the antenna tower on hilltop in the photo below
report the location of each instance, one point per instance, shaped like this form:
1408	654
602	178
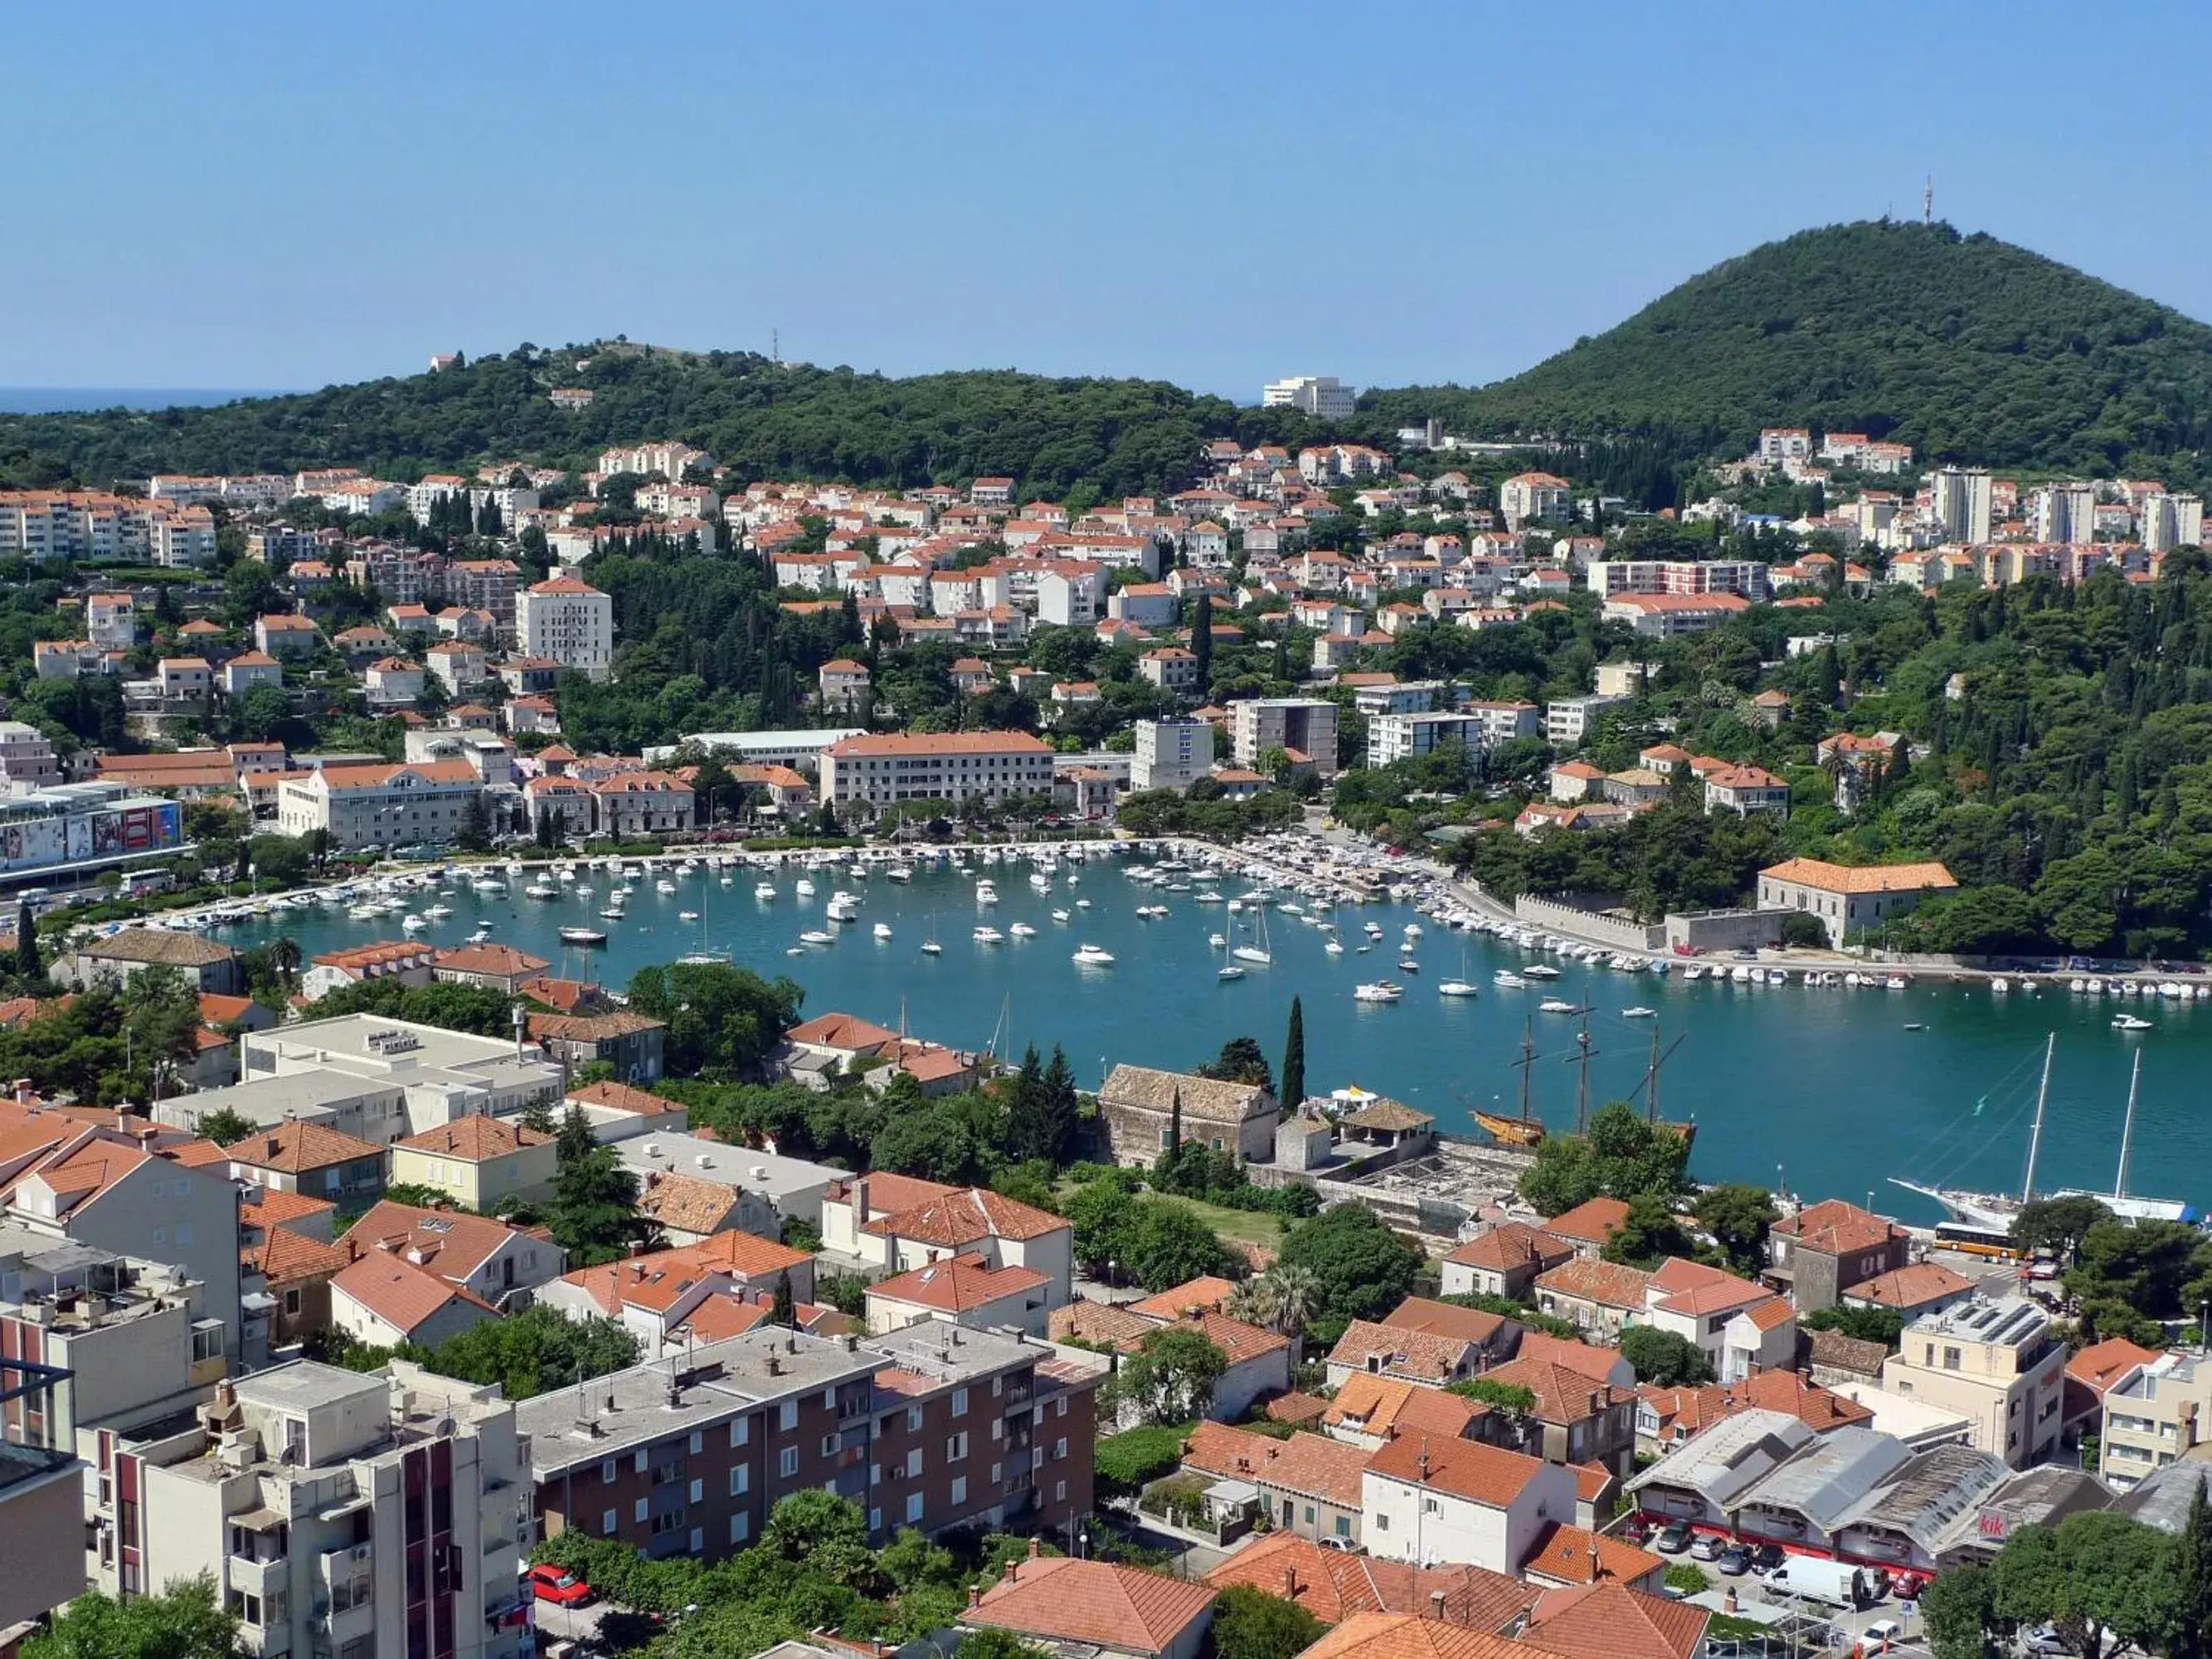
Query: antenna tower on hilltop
1928	201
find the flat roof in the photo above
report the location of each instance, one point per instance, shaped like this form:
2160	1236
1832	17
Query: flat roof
677	1153
950	1353
305	1383
266	1100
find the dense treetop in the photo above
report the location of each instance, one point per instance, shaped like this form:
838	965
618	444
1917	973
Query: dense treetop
1965	347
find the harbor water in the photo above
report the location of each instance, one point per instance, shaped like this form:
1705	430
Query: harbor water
1827	1091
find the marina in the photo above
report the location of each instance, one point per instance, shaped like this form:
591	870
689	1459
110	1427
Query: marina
1820	1081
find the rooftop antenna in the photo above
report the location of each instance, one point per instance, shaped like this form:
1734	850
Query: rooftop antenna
1928	201
775	345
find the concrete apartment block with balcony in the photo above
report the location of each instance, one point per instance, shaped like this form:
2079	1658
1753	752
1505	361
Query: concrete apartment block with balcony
1171	754
339	1514
1996	1361
687	1456
41	1500
570	622
1305	724
2157	1414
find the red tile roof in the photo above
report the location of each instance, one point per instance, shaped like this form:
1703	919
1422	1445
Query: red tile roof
1486	1475
1334	1585
964	1283
1060	1599
1312	1464
1591	1222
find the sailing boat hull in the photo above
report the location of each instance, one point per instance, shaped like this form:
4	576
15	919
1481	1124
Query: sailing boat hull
1510	1130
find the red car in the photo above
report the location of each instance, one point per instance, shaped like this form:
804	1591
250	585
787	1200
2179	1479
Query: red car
557	1584
1907	1586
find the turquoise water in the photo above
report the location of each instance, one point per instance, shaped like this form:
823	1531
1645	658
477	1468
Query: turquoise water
1827	1086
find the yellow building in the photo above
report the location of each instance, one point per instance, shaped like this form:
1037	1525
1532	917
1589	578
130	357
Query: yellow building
478	1161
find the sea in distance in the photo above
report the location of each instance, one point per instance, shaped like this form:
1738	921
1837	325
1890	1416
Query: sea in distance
1825	1091
70	400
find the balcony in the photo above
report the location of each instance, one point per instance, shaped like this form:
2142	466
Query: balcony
254	1574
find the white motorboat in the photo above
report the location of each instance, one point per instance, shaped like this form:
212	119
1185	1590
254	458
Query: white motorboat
815	936
1021	930
1557	1006
987	891
1540	970
687	915
988	936
480	936
1335	947
804	888
582	936
1458	988
2130	1023
1639	1014
664	886
1380	991
437	912
842	907
413	923
1093	956
932	948
1505	979
1232	972
764	889
1060	916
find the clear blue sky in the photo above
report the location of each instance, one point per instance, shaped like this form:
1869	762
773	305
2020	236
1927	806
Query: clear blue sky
248	194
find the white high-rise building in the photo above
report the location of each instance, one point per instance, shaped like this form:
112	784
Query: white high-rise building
1320	395
2064	513
1171	754
1306	724
1962	502
2171	521
569	621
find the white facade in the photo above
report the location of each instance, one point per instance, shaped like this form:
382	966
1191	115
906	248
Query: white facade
1963	501
1319	395
1171	754
1305	724
569	621
1404	737
951	766
2171	521
425	803
1569	720
1428	1525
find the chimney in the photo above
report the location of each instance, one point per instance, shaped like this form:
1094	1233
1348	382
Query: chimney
636	1247
860	1202
975	1596
1037	1548
1013	1572
1290	1584
1728	1602
1436	1604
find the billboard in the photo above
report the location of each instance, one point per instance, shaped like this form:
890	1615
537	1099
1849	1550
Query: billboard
33	845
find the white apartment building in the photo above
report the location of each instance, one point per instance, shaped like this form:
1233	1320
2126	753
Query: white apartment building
1608	578
569	621
28	761
950	766
1963	500
1307	725
1171	754
338	1514
1997	1362
2156	1414
1067	595
95	527
1571	720
1531	498
668	459
1407	737
423	803
2171	521
2064	513
1434	1502
1319	395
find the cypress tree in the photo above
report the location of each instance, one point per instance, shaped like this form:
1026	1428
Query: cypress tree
27	963
1202	648
1175	1125
1294	1057
786	1311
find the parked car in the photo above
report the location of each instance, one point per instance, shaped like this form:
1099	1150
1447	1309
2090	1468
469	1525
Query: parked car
1707	1548
1674	1537
551	1583
1767	1557
1735	1561
1883	1631
2044	1640
1907	1586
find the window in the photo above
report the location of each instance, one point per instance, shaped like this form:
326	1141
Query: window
207	1342
1381	1523
914	1508
959	1489
741	1480
741	1431
1429	1506
607	1472
698	1537
1950	1359
1059	1450
1309	1514
913	1464
998	1472
698	1491
914	1420
640	1510
956	1447
1059	1491
698	1441
830	1445
291	1302
741	1527
1344	1525
1059	1407
960	1402
665	1523
788	1461
640	1460
875	1519
787	1415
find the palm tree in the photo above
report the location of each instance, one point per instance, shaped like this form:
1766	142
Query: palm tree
1256	1302
285	955
1296	1293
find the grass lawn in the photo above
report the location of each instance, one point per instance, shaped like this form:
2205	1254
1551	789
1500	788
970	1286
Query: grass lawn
1252	1226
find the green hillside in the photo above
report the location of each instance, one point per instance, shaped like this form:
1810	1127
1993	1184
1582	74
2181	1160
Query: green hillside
1965	347
768	419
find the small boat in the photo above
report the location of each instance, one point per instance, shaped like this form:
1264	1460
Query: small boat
1510	1131
900	872
612	913
842	907
1896	983
988	936
987	891
1060	916
413	923
480	936
764	889
687	915
1407	964
1335	948
1413	930
1915	1025
1540	970
883	930
932	948
793	950
1092	956
1458	988
1502	979
1232	971
1021	930
437	912
1378	991
815	936
1556	1005
2130	1023
1083	904
541	890
582	936
703	958
804	888
1999	986
1639	1014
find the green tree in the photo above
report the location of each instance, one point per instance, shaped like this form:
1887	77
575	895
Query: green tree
1648	1234
1201	647
1959	1610
1294	1057
1882	1325
1738	1217
723	1021
225	1127
2057	1224
1041	1117
2096	1576
184	1621
1622	1155
785	1312
1240	1062
2191	1573
1362	1269
1251	1624
28	963
594	1212
1663	1358
1170	1376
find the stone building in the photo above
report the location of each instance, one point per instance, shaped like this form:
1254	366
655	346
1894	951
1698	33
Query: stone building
1139	1104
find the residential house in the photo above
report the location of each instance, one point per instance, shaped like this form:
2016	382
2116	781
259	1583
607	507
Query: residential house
381	1301
1504	1261
1139	1105
1437	1501
1573	1419
1096	1606
1308	1486
1997	1361
1819	1254
478	1161
963	1289
313	1160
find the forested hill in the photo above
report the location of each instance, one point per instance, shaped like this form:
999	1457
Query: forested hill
767	419
1967	348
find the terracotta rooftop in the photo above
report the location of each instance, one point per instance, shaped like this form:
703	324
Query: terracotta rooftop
1102	1602
960	1285
1447	1319
1512	1247
1411	1635
1485	1474
475	1137
967	1216
1836	1227
623	1097
1576	1555
293	1148
686	1204
1590	1223
1180	1299
448	1242
1389	1351
1312	1464
1913	1285
1380	1406
1607	1284
1334	1585
1610	1621
1562	1397
401	1294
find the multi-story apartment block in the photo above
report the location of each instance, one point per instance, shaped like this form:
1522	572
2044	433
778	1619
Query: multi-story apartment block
1569	720
1171	754
1993	1360
338	1514
1319	395
422	802
1609	578
28	760
570	622
1405	737
952	766
668	458
2171	521
1962	500
95	528
1306	724
2064	513
1531	498
632	804
486	585
41	1497
2157	1412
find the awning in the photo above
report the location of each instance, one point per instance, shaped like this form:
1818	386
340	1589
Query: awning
259	1520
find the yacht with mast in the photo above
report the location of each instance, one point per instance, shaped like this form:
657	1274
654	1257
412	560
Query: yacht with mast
1995	1211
